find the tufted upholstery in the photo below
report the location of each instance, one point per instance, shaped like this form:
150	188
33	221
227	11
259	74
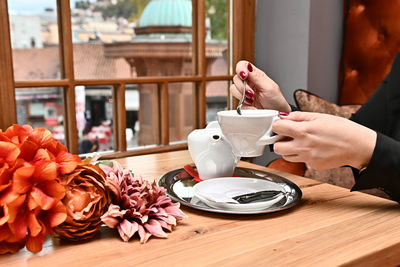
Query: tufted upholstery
371	41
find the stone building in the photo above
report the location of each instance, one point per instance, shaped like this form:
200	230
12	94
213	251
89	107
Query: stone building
163	47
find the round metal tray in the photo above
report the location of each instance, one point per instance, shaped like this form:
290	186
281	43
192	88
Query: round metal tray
179	187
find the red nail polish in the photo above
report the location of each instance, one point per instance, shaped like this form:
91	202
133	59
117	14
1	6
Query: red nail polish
249	94
283	113
249	67
249	100
243	75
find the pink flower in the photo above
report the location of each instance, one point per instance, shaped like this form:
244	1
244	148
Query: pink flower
141	207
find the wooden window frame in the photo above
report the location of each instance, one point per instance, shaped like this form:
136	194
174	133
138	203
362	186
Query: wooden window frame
242	21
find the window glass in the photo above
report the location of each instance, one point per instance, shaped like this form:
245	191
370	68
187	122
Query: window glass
94	118
117	40
132	106
34	40
42	108
132	38
216	98
146	128
217	32
180	113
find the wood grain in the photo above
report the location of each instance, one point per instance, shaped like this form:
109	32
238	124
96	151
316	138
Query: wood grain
331	226
244	14
7	94
119	114
67	72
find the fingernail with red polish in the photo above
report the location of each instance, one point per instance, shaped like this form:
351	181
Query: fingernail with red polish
249	67
243	75
283	113
249	100
249	94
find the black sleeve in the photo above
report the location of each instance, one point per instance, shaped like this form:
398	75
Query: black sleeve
373	113
383	171
382	114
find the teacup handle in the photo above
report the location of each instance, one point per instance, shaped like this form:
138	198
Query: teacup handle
266	139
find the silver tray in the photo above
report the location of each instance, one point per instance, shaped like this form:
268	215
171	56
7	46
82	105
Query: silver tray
179	187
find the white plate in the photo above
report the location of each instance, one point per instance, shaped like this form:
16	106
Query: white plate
222	189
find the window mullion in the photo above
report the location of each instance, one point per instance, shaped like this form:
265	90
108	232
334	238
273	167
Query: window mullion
164	112
67	69
243	32
119	111
198	37
7	99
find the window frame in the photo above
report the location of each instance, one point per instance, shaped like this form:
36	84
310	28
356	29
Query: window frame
243	26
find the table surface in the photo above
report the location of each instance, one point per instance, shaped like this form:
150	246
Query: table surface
331	226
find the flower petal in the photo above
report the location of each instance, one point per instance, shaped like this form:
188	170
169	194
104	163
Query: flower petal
57	215
110	218
109	221
33	225
45	170
175	211
127	229
56	147
28	150
9	152
44	201
52	188
5	177
35	243
4	215
19	227
144	236
20	131
7	247
41	136
14	207
4	137
42	154
165	225
154	228
5	232
22	179
8	196
67	162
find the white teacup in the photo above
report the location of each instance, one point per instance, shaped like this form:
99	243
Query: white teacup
211	152
250	132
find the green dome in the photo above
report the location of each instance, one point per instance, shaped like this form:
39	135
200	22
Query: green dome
167	13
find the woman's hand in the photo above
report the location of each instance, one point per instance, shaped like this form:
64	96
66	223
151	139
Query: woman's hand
261	91
324	141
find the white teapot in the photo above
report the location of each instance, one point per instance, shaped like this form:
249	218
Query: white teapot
211	152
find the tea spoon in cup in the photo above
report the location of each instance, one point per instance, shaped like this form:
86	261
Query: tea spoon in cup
239	107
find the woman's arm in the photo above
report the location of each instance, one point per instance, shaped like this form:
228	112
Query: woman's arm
382	114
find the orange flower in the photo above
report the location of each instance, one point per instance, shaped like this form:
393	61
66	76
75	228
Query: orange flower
31	162
86	201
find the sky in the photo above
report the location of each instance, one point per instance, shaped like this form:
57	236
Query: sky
32	6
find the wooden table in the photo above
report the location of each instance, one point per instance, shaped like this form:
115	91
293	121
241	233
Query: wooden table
330	227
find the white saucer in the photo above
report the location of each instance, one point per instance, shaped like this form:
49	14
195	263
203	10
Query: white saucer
216	192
